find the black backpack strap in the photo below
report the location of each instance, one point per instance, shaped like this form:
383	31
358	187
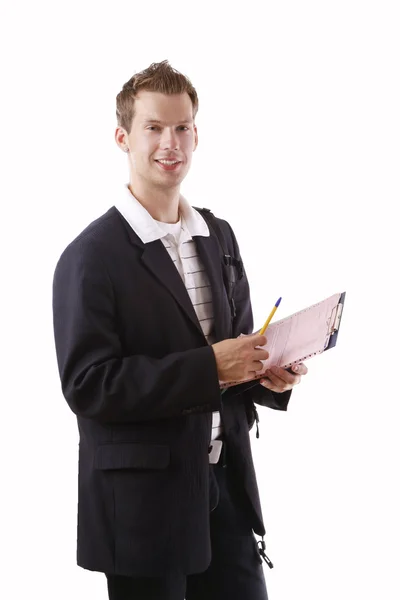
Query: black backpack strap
229	260
233	267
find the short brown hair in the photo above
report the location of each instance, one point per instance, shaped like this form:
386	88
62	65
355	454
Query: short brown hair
158	77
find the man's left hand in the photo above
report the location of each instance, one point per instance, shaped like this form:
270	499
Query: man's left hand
280	380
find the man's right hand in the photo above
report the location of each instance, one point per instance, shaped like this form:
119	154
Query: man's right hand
239	358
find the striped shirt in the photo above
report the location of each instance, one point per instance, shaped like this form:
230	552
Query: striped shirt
177	239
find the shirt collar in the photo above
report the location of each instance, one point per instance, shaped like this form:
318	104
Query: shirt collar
147	228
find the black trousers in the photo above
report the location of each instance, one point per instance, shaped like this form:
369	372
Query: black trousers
235	572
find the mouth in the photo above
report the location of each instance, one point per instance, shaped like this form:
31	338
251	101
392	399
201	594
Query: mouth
169	165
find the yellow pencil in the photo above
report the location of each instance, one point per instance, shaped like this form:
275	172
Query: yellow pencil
267	322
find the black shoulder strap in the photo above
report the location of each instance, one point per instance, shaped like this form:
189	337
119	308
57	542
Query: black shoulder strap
213	223
231	264
233	267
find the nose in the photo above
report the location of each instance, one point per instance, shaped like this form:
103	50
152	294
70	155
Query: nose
169	139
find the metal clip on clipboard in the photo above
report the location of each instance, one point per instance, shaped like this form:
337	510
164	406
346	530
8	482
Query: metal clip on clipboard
334	323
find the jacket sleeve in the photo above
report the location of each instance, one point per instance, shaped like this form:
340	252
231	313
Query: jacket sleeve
97	380
243	323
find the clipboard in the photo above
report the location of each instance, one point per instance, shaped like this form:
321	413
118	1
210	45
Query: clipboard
300	336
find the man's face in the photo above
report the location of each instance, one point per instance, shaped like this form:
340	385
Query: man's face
162	130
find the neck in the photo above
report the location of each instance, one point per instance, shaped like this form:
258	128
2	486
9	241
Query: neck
161	204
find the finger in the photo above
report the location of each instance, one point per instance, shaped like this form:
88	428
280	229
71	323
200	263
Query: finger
299	369
260	354
256	365
257	340
285	375
279	383
275	379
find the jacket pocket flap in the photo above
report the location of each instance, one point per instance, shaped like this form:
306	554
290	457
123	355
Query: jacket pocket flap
132	456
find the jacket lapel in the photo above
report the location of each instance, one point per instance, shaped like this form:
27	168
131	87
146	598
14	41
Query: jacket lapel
157	260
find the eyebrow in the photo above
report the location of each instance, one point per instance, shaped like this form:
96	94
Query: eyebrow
160	122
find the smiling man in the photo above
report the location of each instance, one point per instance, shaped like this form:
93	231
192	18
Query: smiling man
148	304
160	140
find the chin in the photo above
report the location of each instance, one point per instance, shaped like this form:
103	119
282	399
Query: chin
172	181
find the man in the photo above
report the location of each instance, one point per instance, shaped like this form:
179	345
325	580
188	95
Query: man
145	330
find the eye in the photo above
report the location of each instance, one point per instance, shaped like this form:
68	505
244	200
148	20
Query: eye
184	128
153	127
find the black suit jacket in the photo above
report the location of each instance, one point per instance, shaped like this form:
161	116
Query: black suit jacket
138	373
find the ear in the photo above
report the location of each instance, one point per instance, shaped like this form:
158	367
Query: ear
196	138
121	138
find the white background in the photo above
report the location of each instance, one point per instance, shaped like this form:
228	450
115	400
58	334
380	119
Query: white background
299	150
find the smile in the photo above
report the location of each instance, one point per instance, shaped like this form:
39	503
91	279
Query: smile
169	165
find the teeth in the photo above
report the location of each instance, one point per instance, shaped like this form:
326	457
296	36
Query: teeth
168	162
